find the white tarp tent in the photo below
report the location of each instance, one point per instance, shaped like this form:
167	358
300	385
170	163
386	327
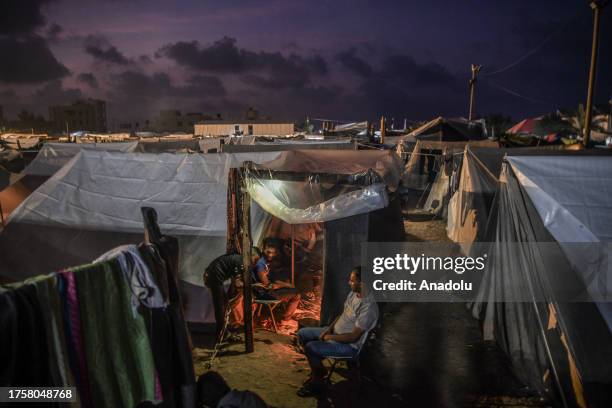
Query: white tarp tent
53	156
573	196
545	294
93	204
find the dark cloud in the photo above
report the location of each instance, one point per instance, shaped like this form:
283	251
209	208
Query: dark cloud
52	93
138	94
30	61
405	69
352	62
145	59
206	86
21	16
88	79
140	85
98	48
54	32
264	69
222	56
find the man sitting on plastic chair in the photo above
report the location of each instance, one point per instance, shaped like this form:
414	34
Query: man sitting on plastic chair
342	339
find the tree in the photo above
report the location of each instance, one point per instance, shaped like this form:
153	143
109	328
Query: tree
497	124
576	121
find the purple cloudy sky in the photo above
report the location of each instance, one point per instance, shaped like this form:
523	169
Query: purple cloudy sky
348	60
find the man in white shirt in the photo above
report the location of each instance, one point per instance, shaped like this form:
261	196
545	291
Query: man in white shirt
343	338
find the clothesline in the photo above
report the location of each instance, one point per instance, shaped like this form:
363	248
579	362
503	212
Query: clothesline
73	325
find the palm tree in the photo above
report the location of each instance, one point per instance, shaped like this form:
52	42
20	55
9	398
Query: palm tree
577	121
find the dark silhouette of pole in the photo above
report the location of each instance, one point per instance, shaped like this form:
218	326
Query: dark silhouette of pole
597	6
475	70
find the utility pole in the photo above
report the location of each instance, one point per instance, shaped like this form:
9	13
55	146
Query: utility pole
475	70
597	6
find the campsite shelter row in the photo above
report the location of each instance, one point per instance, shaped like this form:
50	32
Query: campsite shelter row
92	203
544	216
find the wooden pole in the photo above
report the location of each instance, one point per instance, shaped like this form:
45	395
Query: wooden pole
383	130
597	6
245	229
293	254
475	70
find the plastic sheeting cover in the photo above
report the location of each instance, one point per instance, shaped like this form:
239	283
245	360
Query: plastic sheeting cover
105	190
573	196
310	200
383	162
538	201
296	202
53	156
468	209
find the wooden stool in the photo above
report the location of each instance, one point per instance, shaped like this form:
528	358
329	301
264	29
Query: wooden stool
271	305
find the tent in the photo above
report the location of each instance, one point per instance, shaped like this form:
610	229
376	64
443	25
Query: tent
93	204
50	158
425	159
53	156
351	193
525	126
450	130
167	145
475	182
471	200
550	231
284	145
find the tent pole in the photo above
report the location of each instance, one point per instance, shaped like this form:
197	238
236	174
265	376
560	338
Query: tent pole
245	229
597	6
293	255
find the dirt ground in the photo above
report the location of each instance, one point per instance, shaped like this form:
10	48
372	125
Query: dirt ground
426	355
276	371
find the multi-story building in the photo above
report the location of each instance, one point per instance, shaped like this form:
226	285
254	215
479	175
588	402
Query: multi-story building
88	114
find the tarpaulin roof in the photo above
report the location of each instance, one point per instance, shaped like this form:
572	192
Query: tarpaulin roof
524	126
53	156
384	162
446	129
313	196
103	191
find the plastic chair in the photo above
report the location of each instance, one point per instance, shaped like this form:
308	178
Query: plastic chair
353	362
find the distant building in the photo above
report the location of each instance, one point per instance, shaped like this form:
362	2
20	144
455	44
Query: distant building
89	114
243	127
253	124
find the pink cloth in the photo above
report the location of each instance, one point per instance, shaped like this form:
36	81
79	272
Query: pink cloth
74	315
158	390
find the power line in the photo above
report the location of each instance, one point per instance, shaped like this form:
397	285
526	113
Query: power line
521	59
517	94
533	50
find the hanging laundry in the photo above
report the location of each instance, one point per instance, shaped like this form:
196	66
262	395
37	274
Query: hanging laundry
144	287
120	364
